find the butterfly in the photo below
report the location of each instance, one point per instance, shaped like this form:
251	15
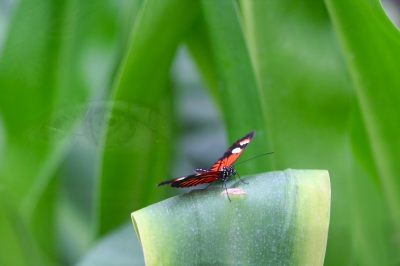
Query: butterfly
222	169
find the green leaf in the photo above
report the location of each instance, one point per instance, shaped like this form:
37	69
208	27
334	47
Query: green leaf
242	106
295	92
281	220
371	48
317	80
28	101
137	145
49	68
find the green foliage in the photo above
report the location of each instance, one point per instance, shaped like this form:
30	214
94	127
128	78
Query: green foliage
317	80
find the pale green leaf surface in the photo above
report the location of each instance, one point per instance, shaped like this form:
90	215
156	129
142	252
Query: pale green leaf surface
281	220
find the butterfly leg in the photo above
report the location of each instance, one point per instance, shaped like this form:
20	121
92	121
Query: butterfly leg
242	180
226	189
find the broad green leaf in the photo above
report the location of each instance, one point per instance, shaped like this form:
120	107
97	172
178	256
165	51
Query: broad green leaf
319	86
199	43
372	236
242	106
3	138
50	64
371	48
294	88
18	247
28	78
137	145
282	219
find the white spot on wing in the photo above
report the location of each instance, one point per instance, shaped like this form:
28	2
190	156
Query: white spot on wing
236	150
180	178
243	142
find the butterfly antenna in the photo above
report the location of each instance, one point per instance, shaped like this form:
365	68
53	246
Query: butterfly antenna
241	179
255	157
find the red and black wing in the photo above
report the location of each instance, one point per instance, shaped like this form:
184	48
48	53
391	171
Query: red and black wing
232	153
193	180
202	175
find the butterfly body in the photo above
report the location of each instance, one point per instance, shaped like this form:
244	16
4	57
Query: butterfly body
222	169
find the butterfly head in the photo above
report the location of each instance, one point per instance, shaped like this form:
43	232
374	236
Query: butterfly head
227	172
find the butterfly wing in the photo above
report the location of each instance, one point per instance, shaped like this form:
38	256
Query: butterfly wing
203	175
193	180
200	170
232	153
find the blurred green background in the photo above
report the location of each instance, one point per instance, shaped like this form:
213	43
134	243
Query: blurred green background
101	100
